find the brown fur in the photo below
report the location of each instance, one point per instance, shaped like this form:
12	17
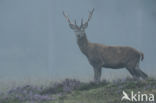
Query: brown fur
114	57
99	55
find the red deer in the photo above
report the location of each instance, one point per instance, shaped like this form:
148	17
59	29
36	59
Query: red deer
99	55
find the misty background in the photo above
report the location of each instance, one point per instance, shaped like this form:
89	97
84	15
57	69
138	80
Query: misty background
37	45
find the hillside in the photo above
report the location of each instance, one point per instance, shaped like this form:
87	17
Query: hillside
73	91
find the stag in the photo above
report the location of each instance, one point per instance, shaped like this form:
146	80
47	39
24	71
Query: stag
100	55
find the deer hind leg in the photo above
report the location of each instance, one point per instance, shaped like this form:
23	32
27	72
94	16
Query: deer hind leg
131	67
97	75
136	72
140	72
133	73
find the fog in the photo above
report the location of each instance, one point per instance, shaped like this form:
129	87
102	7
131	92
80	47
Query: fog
36	43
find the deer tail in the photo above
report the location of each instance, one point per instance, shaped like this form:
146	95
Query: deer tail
141	56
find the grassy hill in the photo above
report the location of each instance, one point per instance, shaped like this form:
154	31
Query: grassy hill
73	91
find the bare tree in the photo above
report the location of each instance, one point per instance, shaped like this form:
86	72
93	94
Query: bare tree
99	55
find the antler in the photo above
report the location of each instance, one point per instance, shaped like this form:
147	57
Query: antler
67	18
89	17
72	25
83	25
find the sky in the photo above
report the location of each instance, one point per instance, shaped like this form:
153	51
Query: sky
36	43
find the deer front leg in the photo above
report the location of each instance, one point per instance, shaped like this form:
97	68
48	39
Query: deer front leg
97	75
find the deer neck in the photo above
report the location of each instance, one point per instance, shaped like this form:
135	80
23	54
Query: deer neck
83	44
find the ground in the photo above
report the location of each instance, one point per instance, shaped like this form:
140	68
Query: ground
73	91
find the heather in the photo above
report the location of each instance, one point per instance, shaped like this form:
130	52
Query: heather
75	91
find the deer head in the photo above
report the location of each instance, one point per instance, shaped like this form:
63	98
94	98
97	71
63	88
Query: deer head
79	30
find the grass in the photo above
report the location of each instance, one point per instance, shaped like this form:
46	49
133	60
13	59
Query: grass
109	93
73	91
